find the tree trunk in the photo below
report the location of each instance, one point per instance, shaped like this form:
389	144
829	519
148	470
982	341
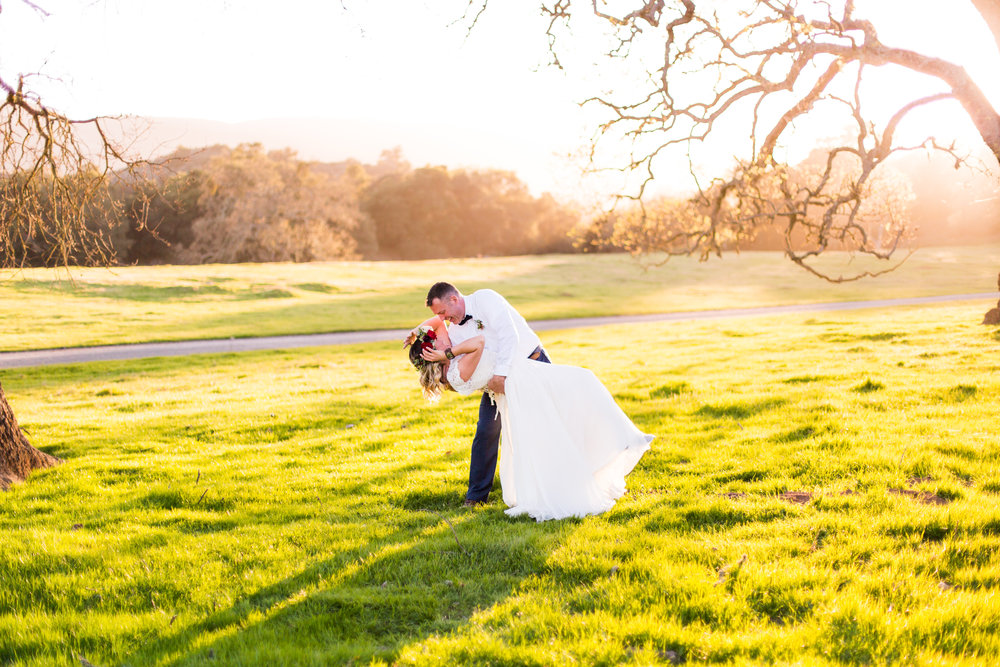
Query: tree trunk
17	457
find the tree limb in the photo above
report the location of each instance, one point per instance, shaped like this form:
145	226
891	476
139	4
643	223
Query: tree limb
761	52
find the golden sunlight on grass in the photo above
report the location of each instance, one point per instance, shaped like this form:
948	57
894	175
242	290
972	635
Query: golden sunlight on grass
822	489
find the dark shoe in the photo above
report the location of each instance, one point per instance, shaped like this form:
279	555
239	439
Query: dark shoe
474	503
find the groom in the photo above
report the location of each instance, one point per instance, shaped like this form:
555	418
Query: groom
508	334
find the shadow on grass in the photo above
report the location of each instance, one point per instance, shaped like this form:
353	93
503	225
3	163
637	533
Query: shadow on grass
423	566
428	577
740	409
842	337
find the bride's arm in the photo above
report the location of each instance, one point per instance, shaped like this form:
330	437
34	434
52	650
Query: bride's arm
473	345
471	351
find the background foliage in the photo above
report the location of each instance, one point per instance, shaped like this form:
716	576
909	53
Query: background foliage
245	204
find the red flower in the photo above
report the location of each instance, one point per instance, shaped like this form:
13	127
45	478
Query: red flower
424	341
428	341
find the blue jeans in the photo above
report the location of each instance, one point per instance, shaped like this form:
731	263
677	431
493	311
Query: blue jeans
485	447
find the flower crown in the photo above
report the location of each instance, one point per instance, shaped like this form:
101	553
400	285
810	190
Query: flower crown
424	341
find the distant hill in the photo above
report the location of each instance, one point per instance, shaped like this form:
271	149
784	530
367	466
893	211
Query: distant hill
328	140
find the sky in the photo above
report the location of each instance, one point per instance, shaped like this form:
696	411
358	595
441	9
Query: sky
407	65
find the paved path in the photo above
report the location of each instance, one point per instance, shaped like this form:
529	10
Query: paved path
142	350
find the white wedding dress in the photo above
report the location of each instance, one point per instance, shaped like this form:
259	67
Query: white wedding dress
566	446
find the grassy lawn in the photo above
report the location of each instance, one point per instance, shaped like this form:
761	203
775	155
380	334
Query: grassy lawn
47	309
822	490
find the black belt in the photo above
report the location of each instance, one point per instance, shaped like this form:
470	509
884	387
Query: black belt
537	352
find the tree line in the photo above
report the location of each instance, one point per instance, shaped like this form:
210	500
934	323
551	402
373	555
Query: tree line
246	204
921	199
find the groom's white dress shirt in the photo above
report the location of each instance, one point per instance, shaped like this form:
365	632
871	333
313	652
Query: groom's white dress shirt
505	330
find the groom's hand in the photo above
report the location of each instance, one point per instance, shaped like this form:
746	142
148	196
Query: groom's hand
496	384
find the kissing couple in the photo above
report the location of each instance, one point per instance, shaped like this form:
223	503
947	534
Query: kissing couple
566	445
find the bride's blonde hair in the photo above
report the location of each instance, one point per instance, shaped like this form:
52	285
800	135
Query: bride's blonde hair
430	380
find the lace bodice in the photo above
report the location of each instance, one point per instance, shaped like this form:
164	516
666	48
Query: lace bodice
477	381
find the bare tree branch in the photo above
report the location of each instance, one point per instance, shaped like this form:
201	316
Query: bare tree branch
774	63
32	5
57	204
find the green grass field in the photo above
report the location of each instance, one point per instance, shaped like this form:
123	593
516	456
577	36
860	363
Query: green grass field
822	490
42	308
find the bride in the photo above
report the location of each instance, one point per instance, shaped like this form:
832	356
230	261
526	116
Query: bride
566	445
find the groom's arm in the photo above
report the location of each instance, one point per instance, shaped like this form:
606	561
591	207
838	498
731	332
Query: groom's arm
497	315
499	318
